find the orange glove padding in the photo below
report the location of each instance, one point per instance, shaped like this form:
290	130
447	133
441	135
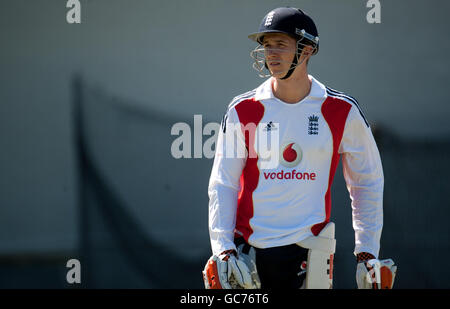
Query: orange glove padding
227	272
373	273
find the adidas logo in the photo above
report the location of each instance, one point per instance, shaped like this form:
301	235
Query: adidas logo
270	127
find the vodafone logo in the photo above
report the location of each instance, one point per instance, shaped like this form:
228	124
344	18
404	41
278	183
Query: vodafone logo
303	266
291	154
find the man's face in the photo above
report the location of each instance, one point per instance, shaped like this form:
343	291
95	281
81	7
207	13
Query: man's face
279	49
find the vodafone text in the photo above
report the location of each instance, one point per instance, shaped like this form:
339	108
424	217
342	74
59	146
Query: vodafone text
290	175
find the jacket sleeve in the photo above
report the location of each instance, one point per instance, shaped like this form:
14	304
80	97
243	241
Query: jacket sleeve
363	174
224	183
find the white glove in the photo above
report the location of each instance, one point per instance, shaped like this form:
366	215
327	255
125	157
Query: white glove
376	274
249	259
227	272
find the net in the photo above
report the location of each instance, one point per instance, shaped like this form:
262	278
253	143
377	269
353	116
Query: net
139	208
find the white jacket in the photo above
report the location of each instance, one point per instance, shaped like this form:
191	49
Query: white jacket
289	199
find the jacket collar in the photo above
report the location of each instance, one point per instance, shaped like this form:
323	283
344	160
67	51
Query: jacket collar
265	92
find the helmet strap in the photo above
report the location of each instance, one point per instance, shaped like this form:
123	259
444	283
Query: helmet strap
292	68
294	63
